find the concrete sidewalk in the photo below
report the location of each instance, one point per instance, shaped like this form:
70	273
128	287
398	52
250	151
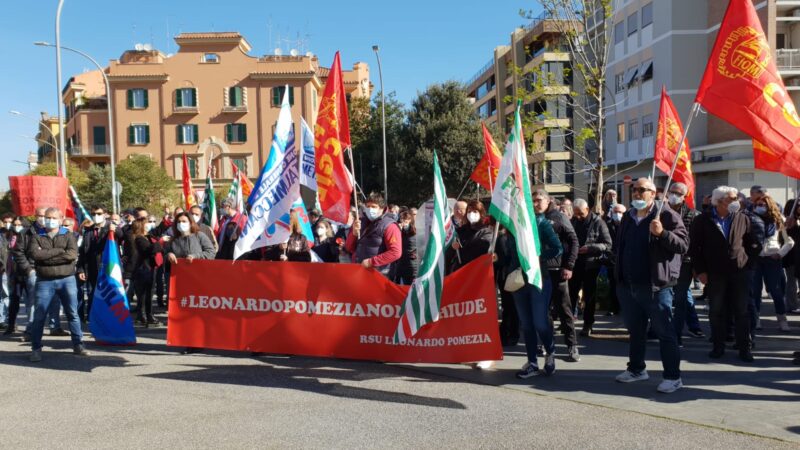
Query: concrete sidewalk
762	398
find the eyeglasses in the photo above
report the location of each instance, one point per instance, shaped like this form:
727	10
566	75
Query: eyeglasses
641	190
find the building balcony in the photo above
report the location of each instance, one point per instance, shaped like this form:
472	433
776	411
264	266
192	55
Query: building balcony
185	110
89	150
234	109
788	59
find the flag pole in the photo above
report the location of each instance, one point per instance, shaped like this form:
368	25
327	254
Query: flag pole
355	189
496	223
692	114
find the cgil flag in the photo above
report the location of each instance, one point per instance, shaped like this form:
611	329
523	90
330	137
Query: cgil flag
278	186
110	320
485	172
331	138
741	85
424	298
188	193
512	204
210	204
670	131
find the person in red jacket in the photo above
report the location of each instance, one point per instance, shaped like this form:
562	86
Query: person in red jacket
375	239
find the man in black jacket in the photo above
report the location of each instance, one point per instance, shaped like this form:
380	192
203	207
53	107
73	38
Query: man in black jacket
90	255
55	254
593	241
560	269
651	240
723	247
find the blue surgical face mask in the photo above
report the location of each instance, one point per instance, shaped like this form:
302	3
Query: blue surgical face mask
616	216
52	224
373	213
760	210
639	204
734	207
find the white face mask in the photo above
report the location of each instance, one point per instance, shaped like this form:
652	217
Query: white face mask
675	199
18	228
8	225
473	217
99	218
322	232
184	227
196	218
616	216
734	207
52	224
639	204
149	226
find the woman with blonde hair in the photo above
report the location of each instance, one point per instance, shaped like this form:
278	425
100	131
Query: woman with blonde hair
768	269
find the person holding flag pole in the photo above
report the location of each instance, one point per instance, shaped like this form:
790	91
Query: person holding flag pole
530	237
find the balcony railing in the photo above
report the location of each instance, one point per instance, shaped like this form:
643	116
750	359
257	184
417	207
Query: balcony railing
481	71
185	109
234	109
788	59
88	150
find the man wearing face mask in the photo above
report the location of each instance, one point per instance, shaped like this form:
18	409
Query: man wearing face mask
232	223
648	265
55	254
612	222
685	312
27	265
90	256
723	249
593	241
375	240
197	215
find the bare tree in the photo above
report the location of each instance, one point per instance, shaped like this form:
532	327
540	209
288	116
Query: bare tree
580	29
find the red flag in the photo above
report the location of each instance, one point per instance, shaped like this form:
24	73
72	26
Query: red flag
188	192
489	164
244	183
670	131
331	137
742	85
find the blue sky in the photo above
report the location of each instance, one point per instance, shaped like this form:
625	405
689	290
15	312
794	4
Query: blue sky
422	42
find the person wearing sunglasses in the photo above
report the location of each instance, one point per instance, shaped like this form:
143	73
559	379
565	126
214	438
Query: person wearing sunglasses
651	240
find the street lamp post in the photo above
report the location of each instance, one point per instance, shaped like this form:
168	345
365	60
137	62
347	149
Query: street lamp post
110	119
383	126
44	125
58	91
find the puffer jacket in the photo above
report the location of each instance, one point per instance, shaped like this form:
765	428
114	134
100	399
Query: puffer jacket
55	257
196	245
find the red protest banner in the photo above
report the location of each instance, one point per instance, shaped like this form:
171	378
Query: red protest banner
329	310
31	192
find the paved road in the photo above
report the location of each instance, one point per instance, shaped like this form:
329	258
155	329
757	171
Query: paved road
149	395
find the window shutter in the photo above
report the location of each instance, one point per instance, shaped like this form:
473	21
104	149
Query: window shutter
179	134
146	102
242	133
276	96
194	97
196	134
147	134
131	135
229	133
178	98
130	98
291	95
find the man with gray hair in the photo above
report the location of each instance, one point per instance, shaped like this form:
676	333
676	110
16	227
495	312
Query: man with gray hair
55	254
685	312
593	242
723	248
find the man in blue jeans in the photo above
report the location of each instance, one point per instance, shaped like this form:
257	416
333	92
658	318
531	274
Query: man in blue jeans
55	254
650	245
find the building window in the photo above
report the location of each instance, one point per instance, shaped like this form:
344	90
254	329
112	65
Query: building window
277	95
619	82
241	164
139	134
210	58
236	133
633	127
630	76
192	162
647	14
137	98
621	132
632	24
235	96
647	71
647	125
186	98
187	134
619	32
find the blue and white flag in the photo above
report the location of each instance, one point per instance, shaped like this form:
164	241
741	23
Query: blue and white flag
279	232
110	319
278	186
308	168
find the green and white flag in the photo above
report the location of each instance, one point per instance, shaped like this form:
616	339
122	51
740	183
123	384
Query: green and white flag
210	204
235	193
512	204
424	299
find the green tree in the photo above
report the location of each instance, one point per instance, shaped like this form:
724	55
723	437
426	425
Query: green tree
145	184
441	118
77	178
98	190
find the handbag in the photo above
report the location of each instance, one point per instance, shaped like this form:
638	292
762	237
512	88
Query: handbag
514	281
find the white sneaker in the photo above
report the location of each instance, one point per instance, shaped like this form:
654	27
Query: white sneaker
670	386
484	365
630	377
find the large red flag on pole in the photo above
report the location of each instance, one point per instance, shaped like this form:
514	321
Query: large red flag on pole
331	138
188	192
485	172
670	131
742	85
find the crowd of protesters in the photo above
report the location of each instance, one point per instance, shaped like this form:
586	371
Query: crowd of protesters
648	257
